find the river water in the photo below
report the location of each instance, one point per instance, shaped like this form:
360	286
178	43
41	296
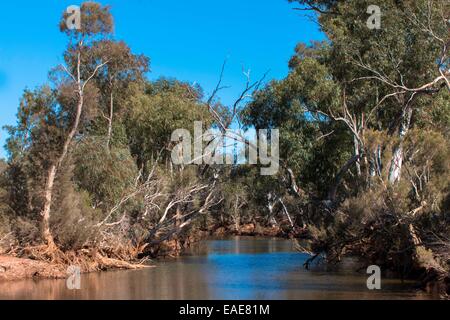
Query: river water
233	268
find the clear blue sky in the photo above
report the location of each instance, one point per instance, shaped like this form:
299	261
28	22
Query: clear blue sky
188	40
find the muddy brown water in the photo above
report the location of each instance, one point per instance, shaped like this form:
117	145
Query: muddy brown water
233	268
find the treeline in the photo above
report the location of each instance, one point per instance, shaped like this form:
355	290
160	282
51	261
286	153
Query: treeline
89	174
364	119
364	122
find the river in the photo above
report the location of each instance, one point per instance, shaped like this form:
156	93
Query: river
233	268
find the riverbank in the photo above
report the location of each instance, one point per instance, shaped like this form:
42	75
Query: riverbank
251	229
20	268
12	268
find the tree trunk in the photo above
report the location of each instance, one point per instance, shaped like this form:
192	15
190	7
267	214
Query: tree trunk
357	153
337	181
396	164
51	176
397	157
293	184
46	233
237	216
110	121
372	168
270	204
375	163
178	217
286	212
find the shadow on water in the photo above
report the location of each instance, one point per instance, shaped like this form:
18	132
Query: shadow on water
234	268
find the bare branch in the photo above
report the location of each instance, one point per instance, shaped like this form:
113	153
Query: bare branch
94	73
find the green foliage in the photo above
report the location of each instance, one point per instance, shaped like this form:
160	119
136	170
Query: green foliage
120	78
293	105
73	218
166	105
362	78
95	19
5	210
106	175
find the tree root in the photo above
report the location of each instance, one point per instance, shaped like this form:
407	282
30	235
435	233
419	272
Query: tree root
88	260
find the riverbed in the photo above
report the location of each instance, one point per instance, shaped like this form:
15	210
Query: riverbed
231	268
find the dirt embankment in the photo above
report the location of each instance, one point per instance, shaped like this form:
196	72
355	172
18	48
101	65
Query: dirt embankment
12	268
250	229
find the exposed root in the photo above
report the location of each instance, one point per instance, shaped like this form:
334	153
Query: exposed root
109	263
88	260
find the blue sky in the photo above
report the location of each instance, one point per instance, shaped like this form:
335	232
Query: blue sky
188	40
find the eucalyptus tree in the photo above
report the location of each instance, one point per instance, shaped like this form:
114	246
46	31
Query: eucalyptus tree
362	80
96	23
165	106
388	86
4	203
354	112
124	72
387	75
311	146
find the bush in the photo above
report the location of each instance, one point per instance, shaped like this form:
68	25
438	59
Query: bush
73	218
105	175
5	212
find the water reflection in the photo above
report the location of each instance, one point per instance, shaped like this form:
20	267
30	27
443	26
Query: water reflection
237	268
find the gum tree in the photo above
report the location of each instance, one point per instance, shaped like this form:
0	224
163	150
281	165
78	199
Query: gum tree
96	22
395	71
388	82
116	80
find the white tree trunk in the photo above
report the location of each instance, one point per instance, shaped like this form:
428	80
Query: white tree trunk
48	193
286	212
110	120
396	165
356	150
51	176
395	169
